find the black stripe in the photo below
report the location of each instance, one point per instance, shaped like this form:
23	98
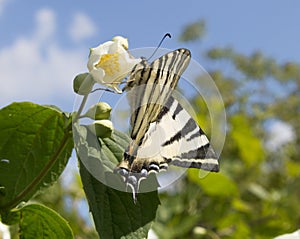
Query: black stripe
204	151
182	64
150	109
129	157
170	71
170	66
170	102
177	110
167	160
197	134
188	127
165	109
131	83
138	68
139	95
175	74
163	80
145	66
193	164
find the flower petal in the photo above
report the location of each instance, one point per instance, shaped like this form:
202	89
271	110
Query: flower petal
110	62
98	75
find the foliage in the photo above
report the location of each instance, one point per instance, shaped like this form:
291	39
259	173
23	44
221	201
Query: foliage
256	193
193	31
114	211
36	143
23	127
50	224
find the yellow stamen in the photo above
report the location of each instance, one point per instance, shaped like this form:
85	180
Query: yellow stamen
109	63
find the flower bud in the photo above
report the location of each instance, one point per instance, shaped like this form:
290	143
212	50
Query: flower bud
83	84
99	111
101	128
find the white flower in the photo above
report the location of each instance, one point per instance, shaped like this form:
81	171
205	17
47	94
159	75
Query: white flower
123	41
110	62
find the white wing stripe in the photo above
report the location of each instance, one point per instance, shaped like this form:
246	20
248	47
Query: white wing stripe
184	142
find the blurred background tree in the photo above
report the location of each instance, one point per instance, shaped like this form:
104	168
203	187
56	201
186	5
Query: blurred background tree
256	194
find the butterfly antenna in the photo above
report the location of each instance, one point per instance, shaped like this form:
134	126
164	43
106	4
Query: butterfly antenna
161	41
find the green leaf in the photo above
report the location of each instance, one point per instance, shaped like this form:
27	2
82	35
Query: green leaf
35	144
193	31
37	221
236	225
293	168
97	158
214	184
241	205
249	146
114	211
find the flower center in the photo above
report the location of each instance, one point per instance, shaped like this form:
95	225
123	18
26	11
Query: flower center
109	63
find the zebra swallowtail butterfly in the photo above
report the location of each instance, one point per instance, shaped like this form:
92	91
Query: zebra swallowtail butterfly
162	131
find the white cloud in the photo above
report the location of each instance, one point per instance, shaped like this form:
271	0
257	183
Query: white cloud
35	68
46	25
82	27
280	133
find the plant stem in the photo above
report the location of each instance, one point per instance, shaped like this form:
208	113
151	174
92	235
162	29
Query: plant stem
83	102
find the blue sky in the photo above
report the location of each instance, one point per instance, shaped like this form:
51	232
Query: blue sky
44	44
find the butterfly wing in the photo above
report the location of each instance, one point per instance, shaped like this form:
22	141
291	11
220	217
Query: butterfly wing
151	86
175	138
162	132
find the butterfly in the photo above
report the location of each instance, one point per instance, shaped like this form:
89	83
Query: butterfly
162	131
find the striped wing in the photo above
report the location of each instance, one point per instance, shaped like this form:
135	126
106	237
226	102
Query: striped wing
162	132
151	86
175	138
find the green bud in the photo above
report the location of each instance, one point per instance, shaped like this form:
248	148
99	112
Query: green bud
101	128
99	111
83	84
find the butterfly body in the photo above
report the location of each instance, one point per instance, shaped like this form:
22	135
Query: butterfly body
162	131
